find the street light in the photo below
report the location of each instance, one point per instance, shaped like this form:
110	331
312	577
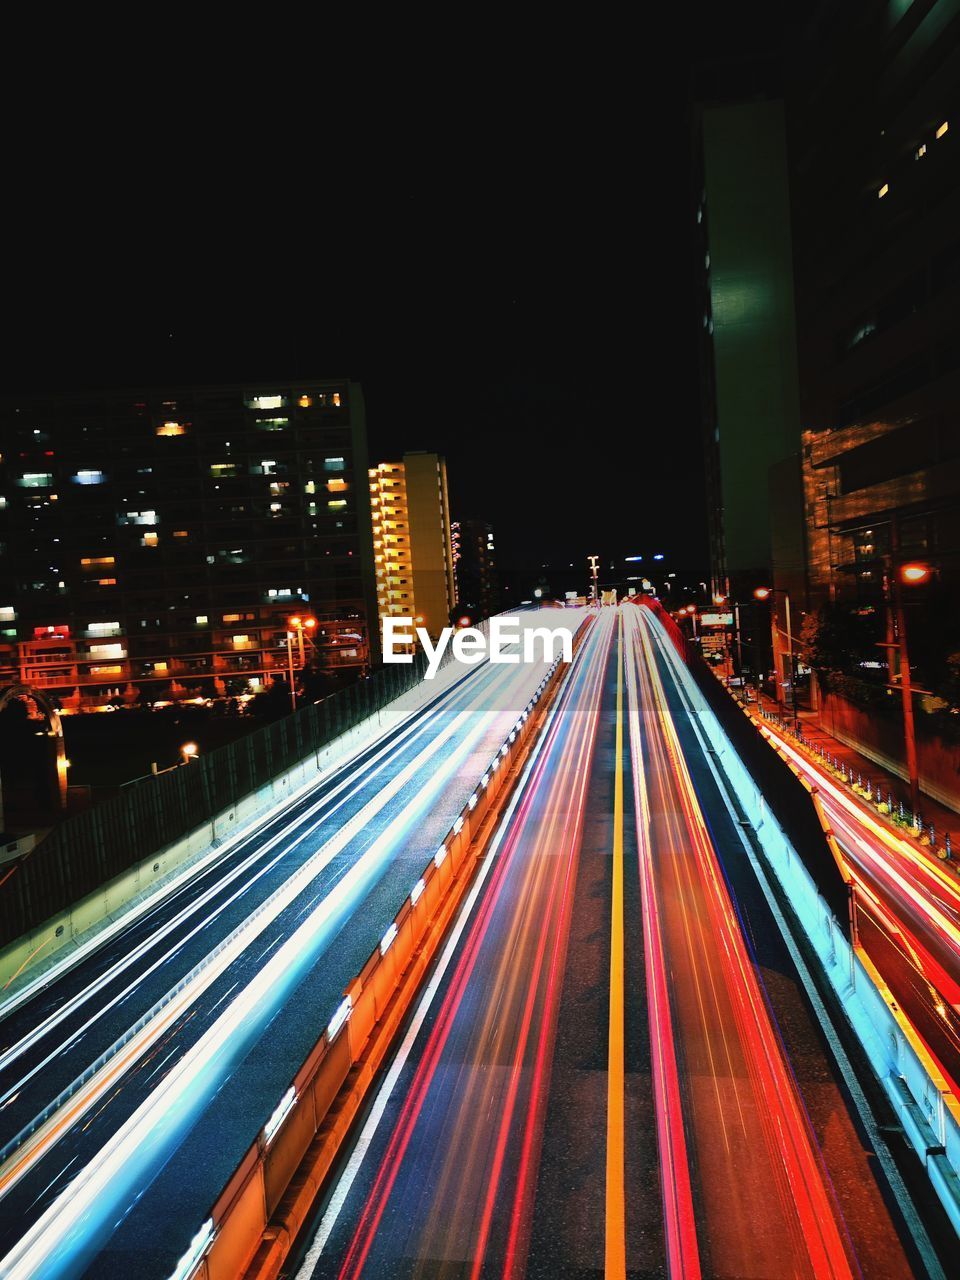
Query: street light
593	561
765	593
296	627
189	751
914	574
911	574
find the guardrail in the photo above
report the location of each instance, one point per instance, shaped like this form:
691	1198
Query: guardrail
919	1094
257	1216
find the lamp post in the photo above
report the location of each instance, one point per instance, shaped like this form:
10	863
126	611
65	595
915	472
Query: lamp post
765	593
296	627
593	562
911	575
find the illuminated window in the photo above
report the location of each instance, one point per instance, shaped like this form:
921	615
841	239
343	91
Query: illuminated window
240	641
231	617
103	628
272	424
336	464
159	668
266	402
276	507
336	486
883	190
223	468
181	533
202	619
105	582
304	402
106	671
7	613
171	429
36	480
89	477
336	503
138	517
107	651
920	152
942	129
335	399
96	560
149	540
310	487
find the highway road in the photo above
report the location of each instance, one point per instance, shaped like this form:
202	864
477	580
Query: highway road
616	1068
132	1081
908	909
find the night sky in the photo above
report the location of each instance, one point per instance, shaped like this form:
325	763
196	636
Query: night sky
504	260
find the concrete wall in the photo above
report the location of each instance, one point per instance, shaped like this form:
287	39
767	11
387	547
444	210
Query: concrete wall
880	739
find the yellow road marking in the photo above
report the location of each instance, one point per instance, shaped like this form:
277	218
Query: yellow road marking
615	1267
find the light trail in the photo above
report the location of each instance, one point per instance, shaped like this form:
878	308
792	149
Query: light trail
245	873
38	1143
914	905
767	1203
615	1260
499	1007
679	1215
930	894
88	1198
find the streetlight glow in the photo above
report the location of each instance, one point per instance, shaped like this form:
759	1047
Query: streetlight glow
914	574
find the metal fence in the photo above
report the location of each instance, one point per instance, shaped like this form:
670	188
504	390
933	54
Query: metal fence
90	848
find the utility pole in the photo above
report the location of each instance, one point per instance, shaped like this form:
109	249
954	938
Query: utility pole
906	688
293	688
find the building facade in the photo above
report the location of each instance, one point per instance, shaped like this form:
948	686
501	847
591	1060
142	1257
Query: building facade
159	539
412	540
749	394
876	210
474	556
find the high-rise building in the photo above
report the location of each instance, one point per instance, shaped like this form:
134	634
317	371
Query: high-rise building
474	554
874	114
161	537
750	408
412	545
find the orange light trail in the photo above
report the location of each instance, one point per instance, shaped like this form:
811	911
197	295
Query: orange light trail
516	976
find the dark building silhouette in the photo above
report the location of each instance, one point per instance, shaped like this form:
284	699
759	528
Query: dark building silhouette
873	117
478	585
